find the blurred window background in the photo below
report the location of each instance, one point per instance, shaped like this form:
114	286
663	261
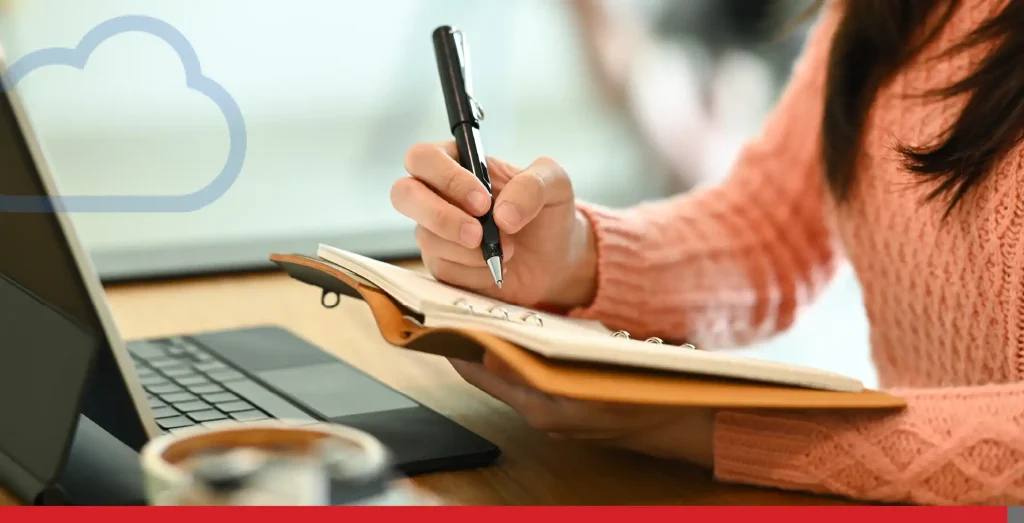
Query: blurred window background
333	93
637	99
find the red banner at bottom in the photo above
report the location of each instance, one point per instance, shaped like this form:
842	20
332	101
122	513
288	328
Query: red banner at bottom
513	514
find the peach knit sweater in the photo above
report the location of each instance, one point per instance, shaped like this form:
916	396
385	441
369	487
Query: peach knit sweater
731	264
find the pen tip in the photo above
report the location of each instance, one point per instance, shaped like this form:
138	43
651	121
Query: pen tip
494	263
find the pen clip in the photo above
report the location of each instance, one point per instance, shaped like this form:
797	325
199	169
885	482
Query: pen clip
478	112
464	63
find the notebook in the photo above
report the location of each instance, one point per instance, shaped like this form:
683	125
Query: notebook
562	355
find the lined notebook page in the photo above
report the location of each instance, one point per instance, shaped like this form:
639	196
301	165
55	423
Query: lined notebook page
420	292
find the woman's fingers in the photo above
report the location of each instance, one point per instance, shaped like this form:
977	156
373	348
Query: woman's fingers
534	406
498	367
498	170
436	167
527	193
414	200
434	246
538	409
520	195
556	415
500	173
473	278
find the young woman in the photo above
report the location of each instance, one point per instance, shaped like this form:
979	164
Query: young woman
897	147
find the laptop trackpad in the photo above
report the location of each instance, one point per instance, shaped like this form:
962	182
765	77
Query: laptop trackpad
335	389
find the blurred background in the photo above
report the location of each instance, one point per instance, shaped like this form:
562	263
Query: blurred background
638	99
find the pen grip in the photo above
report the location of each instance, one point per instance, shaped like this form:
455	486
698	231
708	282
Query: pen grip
452	60
473	159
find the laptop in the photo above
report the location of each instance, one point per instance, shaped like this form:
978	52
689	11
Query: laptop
62	358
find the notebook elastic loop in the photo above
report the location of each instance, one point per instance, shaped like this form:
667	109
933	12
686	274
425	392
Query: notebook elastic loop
329	304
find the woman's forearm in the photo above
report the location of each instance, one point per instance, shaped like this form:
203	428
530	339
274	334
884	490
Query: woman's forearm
731	264
688	437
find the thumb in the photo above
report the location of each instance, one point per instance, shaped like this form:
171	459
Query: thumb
543	184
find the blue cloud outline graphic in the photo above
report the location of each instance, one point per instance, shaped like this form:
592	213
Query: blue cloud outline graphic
77	57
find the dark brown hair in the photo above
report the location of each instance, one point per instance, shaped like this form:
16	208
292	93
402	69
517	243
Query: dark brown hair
874	39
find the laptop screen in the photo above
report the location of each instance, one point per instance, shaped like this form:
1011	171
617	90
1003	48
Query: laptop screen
36	255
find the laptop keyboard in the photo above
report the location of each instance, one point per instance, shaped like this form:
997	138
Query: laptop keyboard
186	386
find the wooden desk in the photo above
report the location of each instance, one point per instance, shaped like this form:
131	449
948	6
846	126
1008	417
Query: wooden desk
535	470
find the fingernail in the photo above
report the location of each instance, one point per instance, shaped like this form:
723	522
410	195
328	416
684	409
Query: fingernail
468	235
508	214
480	202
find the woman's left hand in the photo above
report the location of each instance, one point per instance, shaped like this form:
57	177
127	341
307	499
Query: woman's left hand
665	432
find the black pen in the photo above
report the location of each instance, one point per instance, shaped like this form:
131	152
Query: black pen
464	117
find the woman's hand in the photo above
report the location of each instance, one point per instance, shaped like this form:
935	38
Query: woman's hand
671	433
547	244
551	259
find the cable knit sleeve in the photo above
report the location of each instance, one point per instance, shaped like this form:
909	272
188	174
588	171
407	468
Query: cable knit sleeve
733	263
729	264
952	446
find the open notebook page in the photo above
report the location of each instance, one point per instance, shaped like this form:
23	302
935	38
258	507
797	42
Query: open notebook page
594	347
562	338
419	292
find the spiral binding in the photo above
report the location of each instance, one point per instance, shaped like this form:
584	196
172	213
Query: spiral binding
502	313
624	334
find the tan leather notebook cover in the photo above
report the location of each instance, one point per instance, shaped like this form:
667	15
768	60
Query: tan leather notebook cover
567	379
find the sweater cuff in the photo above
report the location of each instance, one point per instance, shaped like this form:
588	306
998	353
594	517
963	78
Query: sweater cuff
621	295
768	450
